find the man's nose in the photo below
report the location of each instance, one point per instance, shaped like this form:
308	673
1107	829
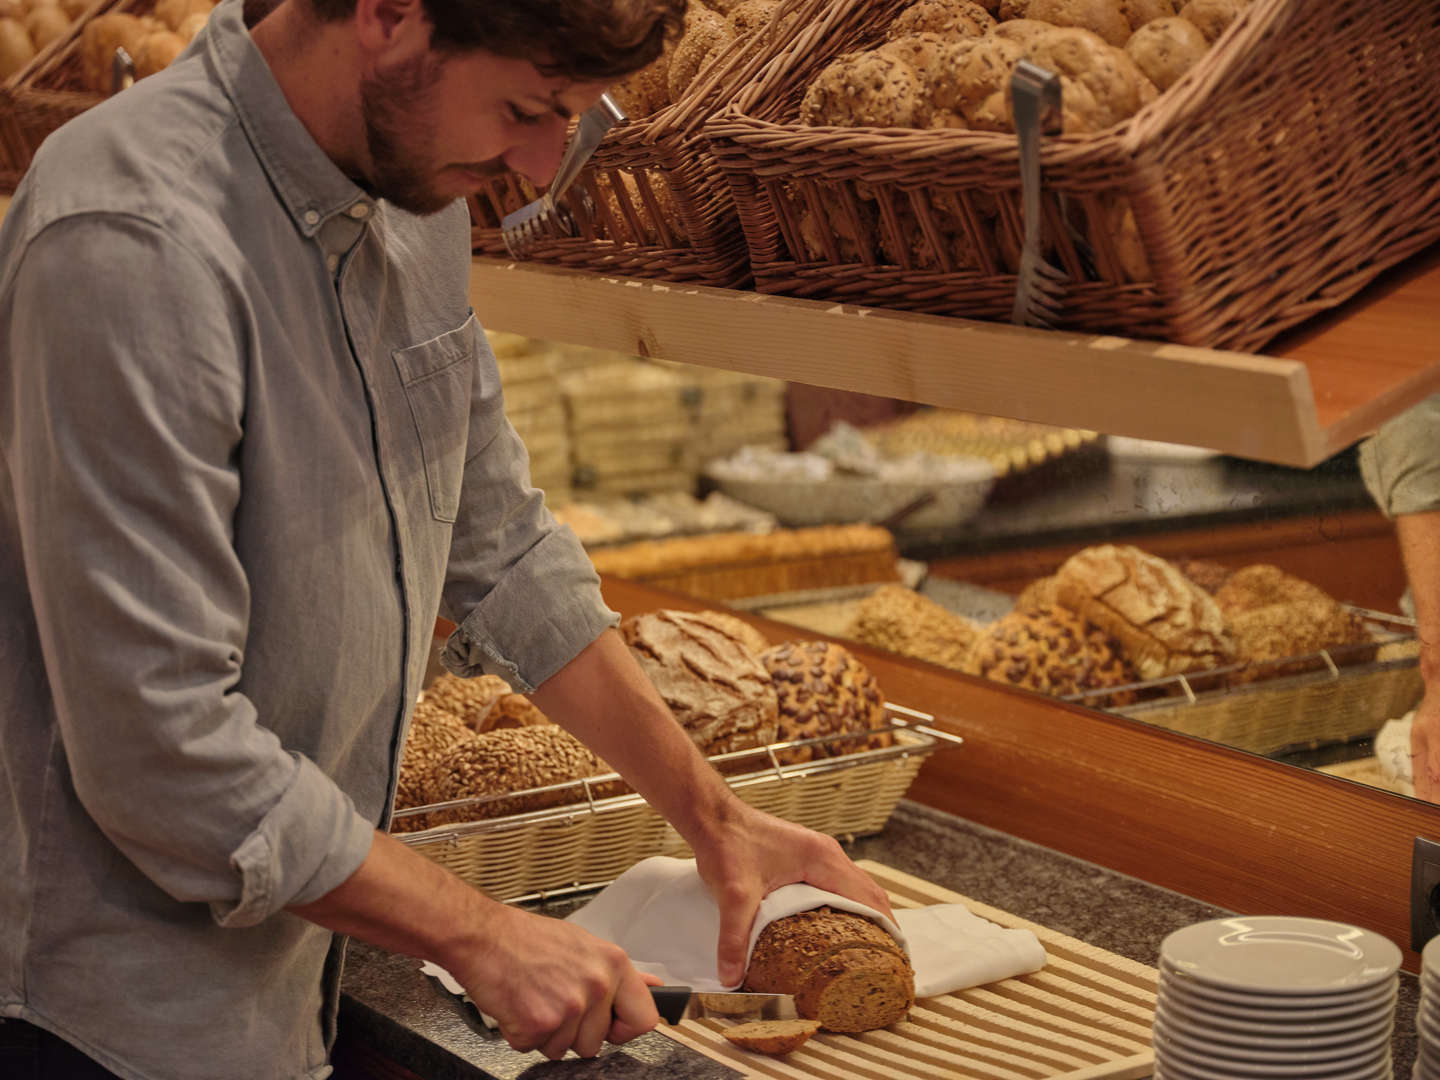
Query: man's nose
538	157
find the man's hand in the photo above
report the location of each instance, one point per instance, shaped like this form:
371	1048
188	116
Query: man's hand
553	987
754	853
1425	746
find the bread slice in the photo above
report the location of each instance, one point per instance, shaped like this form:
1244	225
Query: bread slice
772	1036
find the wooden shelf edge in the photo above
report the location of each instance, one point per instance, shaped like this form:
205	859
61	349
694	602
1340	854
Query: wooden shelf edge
1250	406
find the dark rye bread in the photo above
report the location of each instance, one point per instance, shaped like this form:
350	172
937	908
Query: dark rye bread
718	690
1165	623
844	970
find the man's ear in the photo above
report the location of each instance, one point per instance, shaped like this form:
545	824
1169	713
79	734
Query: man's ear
392	29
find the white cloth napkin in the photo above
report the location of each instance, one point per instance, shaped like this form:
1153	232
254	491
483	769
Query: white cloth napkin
661	914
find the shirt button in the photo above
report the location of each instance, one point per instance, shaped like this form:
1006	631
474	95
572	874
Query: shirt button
333	262
312	217
359	210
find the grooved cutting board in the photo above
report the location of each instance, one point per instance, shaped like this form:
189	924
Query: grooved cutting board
1084	1016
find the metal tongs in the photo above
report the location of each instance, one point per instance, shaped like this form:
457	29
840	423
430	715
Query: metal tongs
1036	94
122	70
545	216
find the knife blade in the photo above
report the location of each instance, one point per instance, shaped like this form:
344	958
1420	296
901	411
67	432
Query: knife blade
676	1003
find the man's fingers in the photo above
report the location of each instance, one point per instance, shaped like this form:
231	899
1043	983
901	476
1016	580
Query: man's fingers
633	1010
593	1029
737	915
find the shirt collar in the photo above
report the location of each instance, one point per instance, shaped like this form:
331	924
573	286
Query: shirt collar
309	183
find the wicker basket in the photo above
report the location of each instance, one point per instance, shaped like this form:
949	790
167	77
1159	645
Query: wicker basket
652	202
591	841
1299	159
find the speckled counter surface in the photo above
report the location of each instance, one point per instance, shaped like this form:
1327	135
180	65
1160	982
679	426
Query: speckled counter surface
399	1015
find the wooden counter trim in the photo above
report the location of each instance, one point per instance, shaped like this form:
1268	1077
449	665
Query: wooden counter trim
1222	826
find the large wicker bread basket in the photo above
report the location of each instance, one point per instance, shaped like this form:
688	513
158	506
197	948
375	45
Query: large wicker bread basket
1295	162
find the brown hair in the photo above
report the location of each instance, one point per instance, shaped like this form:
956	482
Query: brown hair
586	40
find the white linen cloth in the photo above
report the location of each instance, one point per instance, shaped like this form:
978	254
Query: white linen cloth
663	916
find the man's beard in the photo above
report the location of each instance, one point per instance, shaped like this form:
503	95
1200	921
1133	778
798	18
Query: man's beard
400	134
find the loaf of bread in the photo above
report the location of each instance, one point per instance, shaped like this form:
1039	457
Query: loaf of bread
1261	585
824	690
1272	615
844	970
753	640
1052	651
902	621
718	690
510	760
433	731
1164	623
771	1036
483	703
1206	573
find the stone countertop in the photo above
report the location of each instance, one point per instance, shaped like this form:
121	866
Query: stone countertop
404	1017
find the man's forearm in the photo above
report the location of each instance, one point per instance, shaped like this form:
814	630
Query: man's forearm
603	698
1419	536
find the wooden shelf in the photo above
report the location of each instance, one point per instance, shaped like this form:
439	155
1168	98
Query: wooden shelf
1316	393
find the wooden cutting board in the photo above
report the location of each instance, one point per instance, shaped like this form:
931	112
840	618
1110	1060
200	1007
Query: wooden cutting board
1084	1016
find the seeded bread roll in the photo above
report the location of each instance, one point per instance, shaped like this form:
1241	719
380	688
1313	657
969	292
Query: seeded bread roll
1206	573
843	970
512	760
433	732
1102	17
1264	635
1100	84
951	18
902	621
1165	49
1051	651
865	89
971	81
719	692
1140	12
1165	623
1212	17
1022	31
751	15
771	1036
824	690
469	699
1260	585
704	30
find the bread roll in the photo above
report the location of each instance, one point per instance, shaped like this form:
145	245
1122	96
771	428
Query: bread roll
704	30
174	12
902	621
433	731
771	1036
1102	17
1052	651
719	692
1260	585
45	23
157	51
952	18
824	690
512	760
865	89
16	48
843	970
484	703
1165	624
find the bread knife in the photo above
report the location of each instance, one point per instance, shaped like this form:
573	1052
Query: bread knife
676	1003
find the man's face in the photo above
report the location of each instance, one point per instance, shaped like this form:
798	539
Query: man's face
439	126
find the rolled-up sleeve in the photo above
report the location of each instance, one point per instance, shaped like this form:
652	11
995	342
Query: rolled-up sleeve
523	593
128	409
1400	463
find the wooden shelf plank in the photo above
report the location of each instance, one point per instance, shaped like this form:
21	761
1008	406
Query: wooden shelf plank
1325	389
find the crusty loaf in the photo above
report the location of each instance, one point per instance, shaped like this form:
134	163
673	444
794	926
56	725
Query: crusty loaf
902	621
771	1036
824	690
1261	585
844	970
510	760
484	703
753	640
719	692
1052	651
1165	623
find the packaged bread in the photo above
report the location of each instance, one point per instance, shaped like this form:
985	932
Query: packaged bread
1164	623
1052	651
844	970
509	761
771	1036
824	690
718	690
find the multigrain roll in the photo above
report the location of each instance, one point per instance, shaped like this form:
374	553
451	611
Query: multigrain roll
1164	623
510	760
1260	585
433	732
902	621
1264	635
865	89
1052	651
824	690
844	970
718	690
471	699
953	18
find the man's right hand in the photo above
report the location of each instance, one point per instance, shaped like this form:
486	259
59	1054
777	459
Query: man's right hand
554	987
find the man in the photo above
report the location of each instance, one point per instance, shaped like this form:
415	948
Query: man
253	440
1400	464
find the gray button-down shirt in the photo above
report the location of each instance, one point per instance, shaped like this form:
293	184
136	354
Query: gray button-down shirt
1400	463
253	440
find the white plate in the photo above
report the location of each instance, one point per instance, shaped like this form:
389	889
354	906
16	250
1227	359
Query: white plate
1174	1070
1281	955
1201	1047
1204	1066
1273	1008
1263	1036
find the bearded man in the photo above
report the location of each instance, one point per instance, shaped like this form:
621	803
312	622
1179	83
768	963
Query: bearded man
253	443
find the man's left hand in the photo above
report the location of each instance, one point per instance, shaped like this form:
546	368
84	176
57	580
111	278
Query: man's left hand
753	854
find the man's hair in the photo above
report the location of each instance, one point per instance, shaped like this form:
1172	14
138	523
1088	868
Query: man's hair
584	40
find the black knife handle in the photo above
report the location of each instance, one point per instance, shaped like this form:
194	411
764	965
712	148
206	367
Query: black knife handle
670	1001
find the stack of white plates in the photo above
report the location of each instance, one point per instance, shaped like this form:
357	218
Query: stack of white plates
1267	997
1427	1016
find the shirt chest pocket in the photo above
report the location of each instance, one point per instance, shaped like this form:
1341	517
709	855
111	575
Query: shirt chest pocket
438	377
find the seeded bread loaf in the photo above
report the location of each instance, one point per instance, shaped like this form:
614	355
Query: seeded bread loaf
433	731
719	692
483	703
824	690
844	970
510	760
1052	651
1165	623
902	621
